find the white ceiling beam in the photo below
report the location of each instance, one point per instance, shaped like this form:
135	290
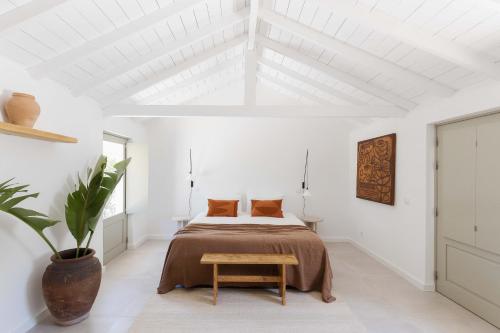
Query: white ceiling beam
26	12
272	111
337	74
171	47
250	77
489	4
320	86
127	92
252	23
64	59
417	37
192	80
355	54
293	89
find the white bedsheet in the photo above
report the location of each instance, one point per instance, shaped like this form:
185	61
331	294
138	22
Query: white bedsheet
245	218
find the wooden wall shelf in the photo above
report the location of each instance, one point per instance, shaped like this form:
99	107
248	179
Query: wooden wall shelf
11	129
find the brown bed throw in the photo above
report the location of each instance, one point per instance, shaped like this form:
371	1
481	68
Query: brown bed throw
182	263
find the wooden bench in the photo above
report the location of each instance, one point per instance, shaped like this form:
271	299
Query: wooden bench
281	260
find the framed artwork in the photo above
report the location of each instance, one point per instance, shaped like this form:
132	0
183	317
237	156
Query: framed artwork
377	169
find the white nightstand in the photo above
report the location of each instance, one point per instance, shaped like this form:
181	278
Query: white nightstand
311	221
182	221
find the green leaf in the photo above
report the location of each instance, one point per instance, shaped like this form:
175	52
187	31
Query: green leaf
8	192
74	208
35	220
122	165
85	205
16	189
5	183
100	165
14	201
108	185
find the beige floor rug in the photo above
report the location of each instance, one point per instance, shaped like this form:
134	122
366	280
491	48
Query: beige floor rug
244	310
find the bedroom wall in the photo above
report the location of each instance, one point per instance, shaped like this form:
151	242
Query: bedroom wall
49	168
403	236
240	155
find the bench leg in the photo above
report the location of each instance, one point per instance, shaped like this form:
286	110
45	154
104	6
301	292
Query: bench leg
283	284
216	282
279	283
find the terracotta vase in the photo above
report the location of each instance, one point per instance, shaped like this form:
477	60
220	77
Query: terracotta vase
22	109
70	286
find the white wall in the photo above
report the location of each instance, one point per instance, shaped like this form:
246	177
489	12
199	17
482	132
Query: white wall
49	168
244	155
403	235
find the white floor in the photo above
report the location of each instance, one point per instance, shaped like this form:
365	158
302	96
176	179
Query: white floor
370	298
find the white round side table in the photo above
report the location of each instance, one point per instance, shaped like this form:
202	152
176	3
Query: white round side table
311	221
182	221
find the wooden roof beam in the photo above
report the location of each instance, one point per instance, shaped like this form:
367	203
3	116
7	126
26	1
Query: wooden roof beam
293	89
171	47
337	74
270	111
356	55
221	84
192	80
196	60
252	23
320	86
26	12
64	59
417	37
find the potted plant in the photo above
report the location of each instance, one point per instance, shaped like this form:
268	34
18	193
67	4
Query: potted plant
71	282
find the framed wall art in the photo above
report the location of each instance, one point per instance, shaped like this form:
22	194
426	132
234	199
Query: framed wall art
376	169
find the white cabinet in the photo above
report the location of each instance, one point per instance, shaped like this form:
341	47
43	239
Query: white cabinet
488	187
468	222
456	195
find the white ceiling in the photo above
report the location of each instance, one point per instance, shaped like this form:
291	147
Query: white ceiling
344	52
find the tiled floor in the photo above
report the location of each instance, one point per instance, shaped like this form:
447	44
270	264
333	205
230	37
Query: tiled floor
370	298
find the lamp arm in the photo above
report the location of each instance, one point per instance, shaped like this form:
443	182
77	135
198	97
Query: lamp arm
191	182
305	170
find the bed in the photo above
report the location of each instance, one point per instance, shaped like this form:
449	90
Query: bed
247	234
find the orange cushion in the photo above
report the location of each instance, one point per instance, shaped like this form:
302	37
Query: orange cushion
227	208
269	208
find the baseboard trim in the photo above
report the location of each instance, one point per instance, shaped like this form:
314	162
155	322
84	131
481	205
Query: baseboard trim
32	322
335	239
158	237
401	272
134	246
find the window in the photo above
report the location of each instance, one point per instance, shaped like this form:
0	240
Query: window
114	148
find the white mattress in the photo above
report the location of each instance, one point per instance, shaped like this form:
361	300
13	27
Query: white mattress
245	218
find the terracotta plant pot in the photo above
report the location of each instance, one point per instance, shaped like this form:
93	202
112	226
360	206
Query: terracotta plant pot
22	109
70	286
